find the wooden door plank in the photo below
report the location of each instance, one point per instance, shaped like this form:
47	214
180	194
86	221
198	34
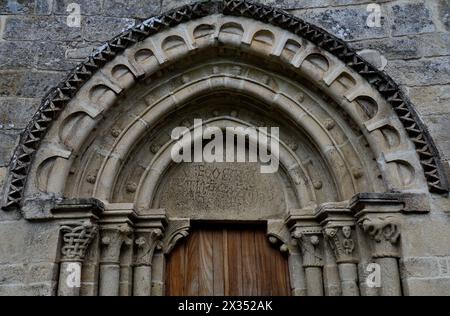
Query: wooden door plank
192	258
249	272
278	272
206	268
175	272
235	262
226	268
218	262
263	264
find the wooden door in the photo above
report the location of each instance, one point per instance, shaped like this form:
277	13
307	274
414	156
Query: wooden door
235	261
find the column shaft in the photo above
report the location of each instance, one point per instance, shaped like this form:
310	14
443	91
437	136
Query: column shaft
314	281
109	279
142	281
348	273
390	277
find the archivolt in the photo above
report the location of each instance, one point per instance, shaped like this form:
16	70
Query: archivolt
370	98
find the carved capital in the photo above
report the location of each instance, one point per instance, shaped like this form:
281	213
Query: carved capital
342	242
385	234
76	239
279	235
146	243
112	240
310	243
177	230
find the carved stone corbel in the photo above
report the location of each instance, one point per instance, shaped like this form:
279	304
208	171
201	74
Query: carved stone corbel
116	232
112	240
279	236
342	242
176	230
150	225
379	217
78	228
309	237
310	242
146	243
385	234
76	239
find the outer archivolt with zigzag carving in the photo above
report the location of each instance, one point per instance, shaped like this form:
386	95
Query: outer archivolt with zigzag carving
58	98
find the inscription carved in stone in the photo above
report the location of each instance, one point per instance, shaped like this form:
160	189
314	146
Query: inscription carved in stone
222	190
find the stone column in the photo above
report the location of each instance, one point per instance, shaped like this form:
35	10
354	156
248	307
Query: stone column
146	242
384	232
343	245
76	239
310	243
112	240
379	215
339	230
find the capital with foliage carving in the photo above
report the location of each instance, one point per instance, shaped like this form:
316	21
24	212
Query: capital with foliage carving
146	243
112	240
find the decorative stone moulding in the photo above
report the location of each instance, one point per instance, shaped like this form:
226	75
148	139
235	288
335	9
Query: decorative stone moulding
92	72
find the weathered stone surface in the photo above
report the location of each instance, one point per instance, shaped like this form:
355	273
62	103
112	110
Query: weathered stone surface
12	274
80	52
411	18
431	99
53	28
430	71
428	287
408	47
439	126
8	141
202	191
12	252
99	29
349	23
16	113
42	272
392	48
38	289
374	57
443	12
419	267
52	56
133	8
28	84
17	55
87	7
16	7
3	175
43	7
172	4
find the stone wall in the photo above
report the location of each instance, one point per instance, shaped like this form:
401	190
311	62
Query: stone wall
37	49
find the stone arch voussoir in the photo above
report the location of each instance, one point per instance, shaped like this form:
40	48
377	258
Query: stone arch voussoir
274	34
